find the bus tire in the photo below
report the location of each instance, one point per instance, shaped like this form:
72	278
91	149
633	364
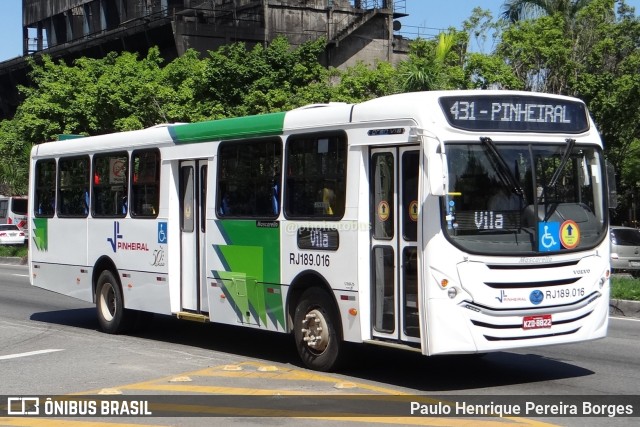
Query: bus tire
112	316
315	331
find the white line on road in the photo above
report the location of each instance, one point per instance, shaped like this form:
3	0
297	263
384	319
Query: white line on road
631	319
30	353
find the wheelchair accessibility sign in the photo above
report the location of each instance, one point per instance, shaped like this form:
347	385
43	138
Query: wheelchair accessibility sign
162	232
548	236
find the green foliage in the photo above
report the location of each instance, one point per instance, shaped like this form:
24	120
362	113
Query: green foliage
625	288
609	82
14	164
539	53
481	27
491	72
519	10
361	82
19	251
252	81
434	64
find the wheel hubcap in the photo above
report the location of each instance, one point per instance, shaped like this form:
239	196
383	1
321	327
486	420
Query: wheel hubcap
107	302
315	331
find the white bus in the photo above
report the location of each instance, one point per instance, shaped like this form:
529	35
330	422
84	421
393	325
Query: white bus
439	222
13	210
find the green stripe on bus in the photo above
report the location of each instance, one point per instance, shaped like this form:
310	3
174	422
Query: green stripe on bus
234	128
40	233
252	255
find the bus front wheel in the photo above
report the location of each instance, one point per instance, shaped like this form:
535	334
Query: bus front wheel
315	331
112	316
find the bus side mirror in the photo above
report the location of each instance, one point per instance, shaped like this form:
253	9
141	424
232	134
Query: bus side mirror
438	175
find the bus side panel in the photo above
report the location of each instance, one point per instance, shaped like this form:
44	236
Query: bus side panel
340	265
70	280
146	291
243	273
335	266
53	240
135	248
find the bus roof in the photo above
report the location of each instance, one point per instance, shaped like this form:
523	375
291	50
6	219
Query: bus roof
419	106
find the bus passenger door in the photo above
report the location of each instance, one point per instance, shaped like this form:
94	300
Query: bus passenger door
394	174
193	191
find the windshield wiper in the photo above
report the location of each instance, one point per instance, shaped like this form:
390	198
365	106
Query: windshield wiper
503	170
565	159
556	175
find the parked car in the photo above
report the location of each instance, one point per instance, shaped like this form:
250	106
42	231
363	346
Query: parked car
625	250
10	234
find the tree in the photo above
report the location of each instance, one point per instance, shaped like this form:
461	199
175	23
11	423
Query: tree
609	82
434	64
362	82
519	10
481	27
487	70
264	79
490	72
540	54
14	167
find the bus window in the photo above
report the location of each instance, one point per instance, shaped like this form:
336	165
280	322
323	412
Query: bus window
203	198
145	187
19	205
45	188
249	179
4	209
110	185
383	192
73	187
316	176
410	167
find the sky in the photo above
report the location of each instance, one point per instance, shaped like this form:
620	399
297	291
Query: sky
426	18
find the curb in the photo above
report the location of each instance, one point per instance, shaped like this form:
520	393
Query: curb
624	308
13	260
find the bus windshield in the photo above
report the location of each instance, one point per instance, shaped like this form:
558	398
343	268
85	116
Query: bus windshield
525	198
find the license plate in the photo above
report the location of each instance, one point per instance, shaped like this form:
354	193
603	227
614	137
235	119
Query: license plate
634	263
536	322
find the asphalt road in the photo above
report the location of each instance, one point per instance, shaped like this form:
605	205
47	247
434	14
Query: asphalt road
49	345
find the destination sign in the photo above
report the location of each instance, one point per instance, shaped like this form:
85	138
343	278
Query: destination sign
514	113
318	238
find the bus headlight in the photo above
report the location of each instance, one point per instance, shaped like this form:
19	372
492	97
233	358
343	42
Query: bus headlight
452	292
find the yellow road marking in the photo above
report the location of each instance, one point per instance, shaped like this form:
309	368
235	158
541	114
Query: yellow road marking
453	422
165	384
240	391
282	374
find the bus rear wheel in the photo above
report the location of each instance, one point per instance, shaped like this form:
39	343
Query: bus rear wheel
315	331
112	316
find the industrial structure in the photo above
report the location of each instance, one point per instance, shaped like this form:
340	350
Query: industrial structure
355	30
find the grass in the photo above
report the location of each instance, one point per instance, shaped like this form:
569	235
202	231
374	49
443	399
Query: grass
625	288
13	251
